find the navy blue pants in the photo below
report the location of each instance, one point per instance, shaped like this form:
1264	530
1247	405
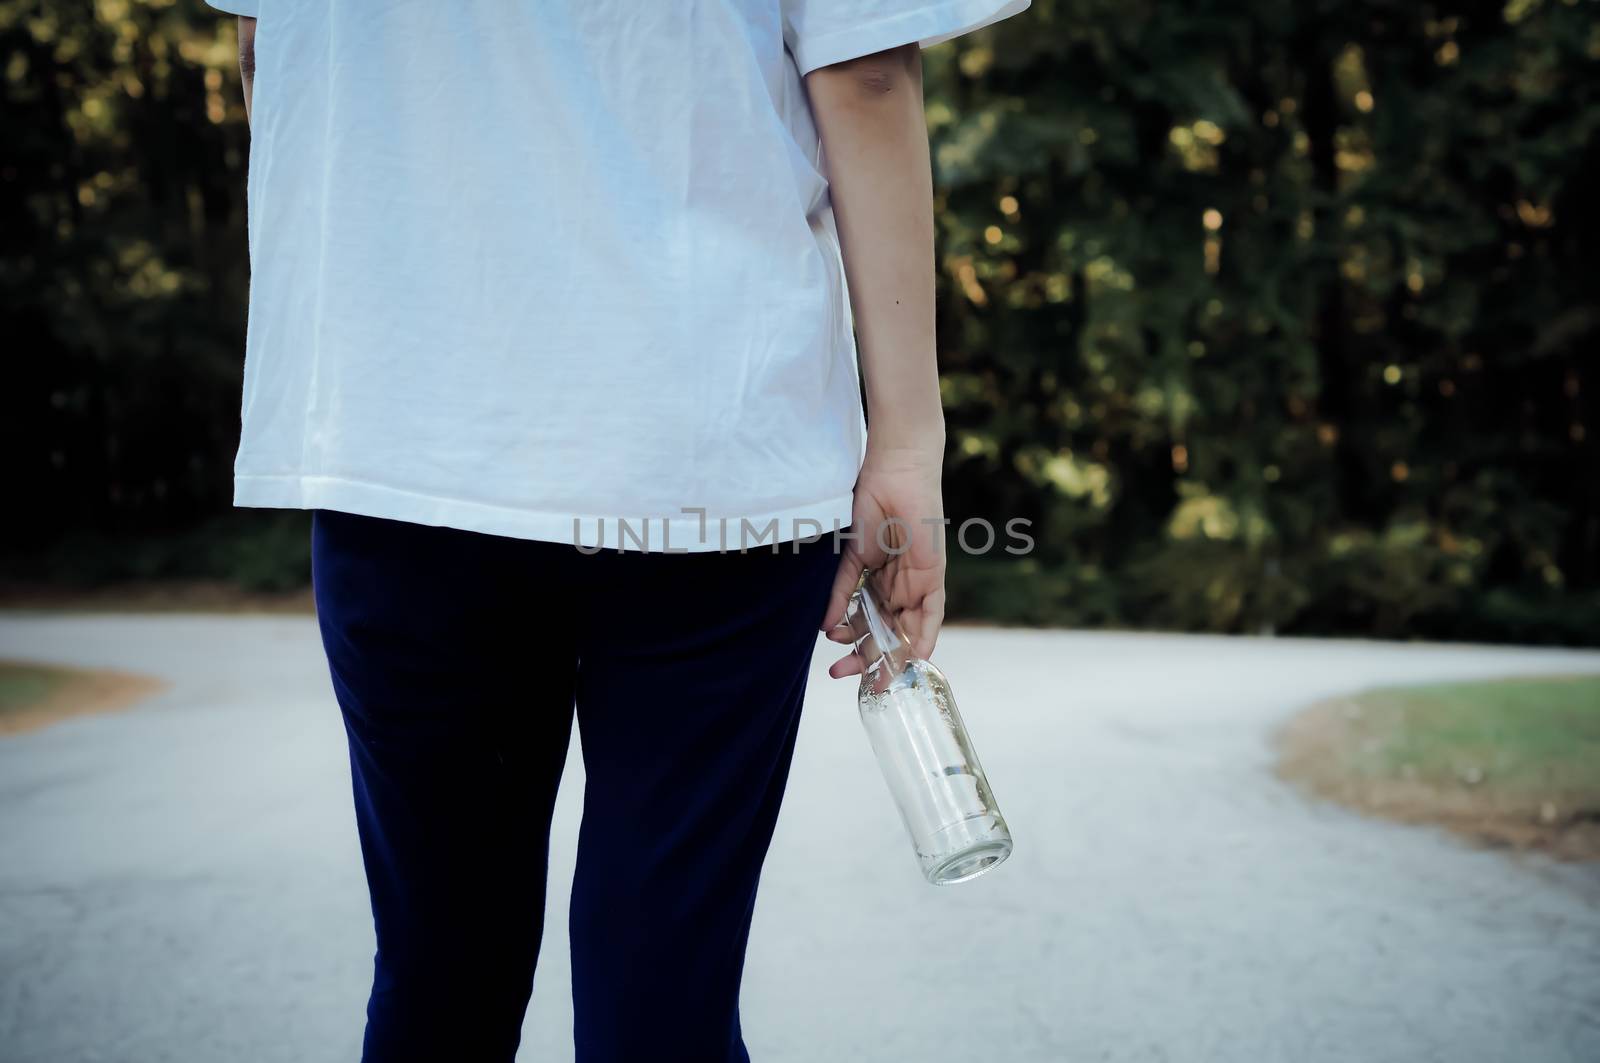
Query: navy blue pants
457	659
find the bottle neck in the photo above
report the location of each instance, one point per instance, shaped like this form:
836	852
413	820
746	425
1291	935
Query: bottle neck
879	640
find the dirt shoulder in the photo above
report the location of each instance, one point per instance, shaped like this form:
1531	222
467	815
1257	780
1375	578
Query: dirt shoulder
1511	764
34	696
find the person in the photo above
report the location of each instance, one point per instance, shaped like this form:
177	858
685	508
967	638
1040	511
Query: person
555	318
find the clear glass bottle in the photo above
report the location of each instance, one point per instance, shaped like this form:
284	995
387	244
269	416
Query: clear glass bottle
923	750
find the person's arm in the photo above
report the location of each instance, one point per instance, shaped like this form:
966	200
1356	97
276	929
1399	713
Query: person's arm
247	59
875	146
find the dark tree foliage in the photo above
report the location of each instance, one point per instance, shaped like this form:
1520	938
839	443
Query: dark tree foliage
1278	316
122	279
1269	316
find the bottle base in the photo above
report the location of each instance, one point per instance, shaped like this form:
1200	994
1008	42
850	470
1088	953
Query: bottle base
969	863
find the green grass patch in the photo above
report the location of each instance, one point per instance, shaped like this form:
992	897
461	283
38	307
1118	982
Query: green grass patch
25	686
1527	740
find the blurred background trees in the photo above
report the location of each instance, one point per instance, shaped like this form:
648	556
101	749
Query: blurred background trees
1269	316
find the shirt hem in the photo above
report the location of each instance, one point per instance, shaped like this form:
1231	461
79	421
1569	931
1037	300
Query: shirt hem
689	532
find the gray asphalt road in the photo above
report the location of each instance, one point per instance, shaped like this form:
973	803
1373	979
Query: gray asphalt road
181	882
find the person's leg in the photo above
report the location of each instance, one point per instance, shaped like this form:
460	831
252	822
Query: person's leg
458	712
689	689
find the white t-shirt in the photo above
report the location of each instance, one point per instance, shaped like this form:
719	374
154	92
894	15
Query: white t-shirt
541	268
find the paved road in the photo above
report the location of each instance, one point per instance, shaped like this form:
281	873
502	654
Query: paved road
180	882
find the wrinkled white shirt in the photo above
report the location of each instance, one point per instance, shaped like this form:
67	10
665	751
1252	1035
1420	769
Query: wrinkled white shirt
540	268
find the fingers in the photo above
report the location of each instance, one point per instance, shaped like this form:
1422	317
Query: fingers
840	633
913	588
930	622
844	585
833	625
845	666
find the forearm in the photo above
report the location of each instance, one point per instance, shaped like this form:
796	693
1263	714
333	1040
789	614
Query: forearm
247	59
875	143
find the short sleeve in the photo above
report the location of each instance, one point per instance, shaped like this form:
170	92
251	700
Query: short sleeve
822	32
237	7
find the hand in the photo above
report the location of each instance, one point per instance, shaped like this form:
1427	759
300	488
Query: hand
906	557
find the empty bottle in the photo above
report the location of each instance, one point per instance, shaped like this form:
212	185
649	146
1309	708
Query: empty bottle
923	749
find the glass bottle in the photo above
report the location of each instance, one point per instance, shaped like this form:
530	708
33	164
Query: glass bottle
923	750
